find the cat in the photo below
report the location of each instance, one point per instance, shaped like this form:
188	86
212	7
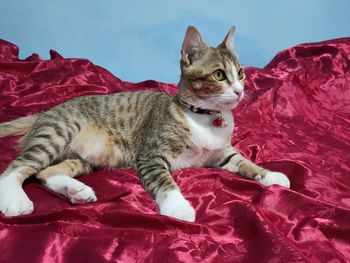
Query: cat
151	131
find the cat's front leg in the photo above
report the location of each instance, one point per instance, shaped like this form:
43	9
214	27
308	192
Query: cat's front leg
154	172
234	162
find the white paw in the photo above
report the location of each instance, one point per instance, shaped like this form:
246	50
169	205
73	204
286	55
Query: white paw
80	194
275	178
175	205
74	190
13	200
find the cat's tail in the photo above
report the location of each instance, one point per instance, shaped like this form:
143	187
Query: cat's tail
17	127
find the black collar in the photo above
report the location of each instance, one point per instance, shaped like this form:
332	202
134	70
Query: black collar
219	121
194	109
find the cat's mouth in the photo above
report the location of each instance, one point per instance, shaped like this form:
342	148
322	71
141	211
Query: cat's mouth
230	102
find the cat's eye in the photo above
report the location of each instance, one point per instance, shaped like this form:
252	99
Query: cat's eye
240	74
219	75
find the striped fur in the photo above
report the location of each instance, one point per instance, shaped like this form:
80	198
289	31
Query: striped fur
149	131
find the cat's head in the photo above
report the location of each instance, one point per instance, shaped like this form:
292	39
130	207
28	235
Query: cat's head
211	78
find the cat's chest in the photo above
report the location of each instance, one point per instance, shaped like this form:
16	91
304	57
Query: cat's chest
204	135
205	139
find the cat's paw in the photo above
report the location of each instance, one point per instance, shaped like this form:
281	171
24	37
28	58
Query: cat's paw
76	191
274	178
175	205
80	194
13	200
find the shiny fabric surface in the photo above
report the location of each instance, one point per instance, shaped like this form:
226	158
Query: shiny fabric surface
295	119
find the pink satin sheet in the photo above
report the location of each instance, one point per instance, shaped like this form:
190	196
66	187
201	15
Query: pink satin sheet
294	119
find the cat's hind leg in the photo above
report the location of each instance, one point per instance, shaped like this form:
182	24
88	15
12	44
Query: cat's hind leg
59	178
35	157
44	143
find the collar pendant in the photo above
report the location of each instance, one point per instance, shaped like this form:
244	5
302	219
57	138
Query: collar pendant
219	121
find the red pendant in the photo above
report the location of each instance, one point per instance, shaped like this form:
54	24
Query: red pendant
220	122
217	122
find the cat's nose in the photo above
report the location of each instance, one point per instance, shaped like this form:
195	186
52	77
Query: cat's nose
238	92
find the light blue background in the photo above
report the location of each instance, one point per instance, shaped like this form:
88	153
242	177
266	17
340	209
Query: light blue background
139	40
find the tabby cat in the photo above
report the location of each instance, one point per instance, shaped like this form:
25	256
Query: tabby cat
151	131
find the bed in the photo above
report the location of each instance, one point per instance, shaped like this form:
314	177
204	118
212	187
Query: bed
295	119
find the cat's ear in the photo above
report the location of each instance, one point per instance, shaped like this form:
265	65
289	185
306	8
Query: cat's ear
227	43
193	46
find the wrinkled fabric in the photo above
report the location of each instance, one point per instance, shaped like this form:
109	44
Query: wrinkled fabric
295	119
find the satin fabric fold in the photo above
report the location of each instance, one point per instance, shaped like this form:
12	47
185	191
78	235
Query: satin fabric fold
295	119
